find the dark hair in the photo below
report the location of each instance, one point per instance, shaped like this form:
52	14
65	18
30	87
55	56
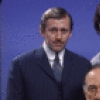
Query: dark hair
56	12
97	19
0	1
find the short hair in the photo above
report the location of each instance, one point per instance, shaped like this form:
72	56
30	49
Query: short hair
57	13
96	66
97	19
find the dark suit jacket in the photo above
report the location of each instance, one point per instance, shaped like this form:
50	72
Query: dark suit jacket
31	77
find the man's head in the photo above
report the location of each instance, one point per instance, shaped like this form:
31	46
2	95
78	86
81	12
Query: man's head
92	84
97	19
56	28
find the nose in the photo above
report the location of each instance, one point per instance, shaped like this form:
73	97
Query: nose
97	96
58	36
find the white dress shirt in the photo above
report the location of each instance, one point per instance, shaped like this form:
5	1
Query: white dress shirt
51	54
96	59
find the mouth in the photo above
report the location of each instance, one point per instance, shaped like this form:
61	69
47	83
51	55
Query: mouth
58	44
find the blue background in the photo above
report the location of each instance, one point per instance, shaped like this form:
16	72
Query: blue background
20	20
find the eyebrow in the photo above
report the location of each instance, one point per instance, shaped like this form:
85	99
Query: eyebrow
92	87
62	28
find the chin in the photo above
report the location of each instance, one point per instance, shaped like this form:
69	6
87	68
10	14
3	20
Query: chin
57	50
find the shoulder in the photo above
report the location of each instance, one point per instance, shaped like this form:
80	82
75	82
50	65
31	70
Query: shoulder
96	59
77	58
80	63
26	60
28	56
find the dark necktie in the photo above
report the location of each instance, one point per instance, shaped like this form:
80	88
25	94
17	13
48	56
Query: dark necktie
57	68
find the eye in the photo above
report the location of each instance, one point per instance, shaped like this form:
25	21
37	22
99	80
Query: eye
63	30
92	88
53	29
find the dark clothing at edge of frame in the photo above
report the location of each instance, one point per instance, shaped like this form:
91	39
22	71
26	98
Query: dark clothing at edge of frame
31	77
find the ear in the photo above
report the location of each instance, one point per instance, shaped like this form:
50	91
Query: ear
42	31
86	95
70	34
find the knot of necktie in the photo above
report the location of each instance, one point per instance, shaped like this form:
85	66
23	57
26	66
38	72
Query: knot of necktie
56	57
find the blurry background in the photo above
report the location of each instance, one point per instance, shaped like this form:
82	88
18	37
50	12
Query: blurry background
19	29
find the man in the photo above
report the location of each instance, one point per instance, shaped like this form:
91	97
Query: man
50	72
92	84
97	19
96	59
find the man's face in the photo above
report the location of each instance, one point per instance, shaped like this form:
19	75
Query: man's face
57	32
92	88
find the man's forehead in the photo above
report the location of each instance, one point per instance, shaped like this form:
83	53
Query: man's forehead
94	72
93	76
91	73
61	21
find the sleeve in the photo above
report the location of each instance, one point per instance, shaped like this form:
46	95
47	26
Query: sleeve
96	59
15	85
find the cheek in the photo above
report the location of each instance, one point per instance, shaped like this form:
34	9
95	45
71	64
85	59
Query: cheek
65	38
49	39
89	96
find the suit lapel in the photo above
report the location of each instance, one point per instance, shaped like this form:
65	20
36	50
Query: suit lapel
45	66
44	63
68	66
